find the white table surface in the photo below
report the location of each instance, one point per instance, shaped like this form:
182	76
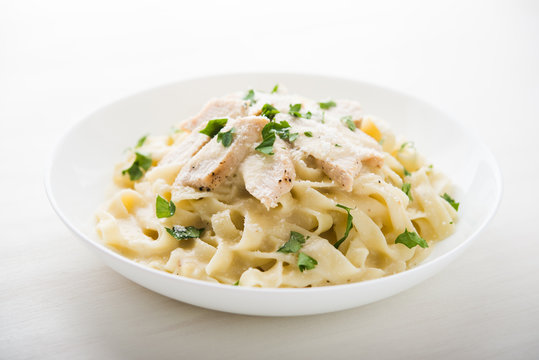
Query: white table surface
59	60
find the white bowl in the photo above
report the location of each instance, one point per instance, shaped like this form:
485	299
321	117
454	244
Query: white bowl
82	164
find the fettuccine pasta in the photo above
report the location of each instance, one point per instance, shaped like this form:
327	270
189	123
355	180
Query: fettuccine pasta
276	190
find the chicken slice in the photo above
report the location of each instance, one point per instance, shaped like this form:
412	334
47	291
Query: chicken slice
225	107
267	178
214	162
338	153
186	149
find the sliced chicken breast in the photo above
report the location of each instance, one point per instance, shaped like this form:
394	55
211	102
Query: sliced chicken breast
214	162
339	151
225	107
267	178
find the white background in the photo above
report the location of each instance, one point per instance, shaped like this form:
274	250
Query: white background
59	60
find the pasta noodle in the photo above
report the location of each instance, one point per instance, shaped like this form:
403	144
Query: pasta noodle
243	221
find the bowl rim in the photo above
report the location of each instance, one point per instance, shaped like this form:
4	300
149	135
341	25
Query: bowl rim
421	267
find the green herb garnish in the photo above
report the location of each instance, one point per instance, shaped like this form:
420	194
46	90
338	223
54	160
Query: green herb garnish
294	110
406	173
181	232
275	89
139	166
337	145
305	262
406	187
451	201
327	105
308	134
269	133
213	127
348	121
348	225
141	141
294	243
163	208
266	146
226	137
308	115
236	283
269	111
250	97
411	239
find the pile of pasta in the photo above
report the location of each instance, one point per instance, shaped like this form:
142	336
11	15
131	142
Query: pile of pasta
239	241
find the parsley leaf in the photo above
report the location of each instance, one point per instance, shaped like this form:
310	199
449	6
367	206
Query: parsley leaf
308	134
141	164
348	121
327	105
275	89
406	187
269	111
266	146
348	225
250	96
292	137
226	137
269	133
141	141
305	262
181	232
308	115
411	239
451	201
163	208
294	243
294	110
337	145
213	127
406	172
236	283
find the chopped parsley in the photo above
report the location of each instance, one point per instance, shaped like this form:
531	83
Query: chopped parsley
213	127
305	262
266	146
163	208
236	283
275	89
337	145
451	201
348	121
406	187
406	172
327	105
294	243
294	110
141	141
182	232
250	97
269	111
411	239
348	225
269	133
308	134
226	137
139	166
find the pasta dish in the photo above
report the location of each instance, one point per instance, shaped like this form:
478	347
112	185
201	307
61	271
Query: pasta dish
272	189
